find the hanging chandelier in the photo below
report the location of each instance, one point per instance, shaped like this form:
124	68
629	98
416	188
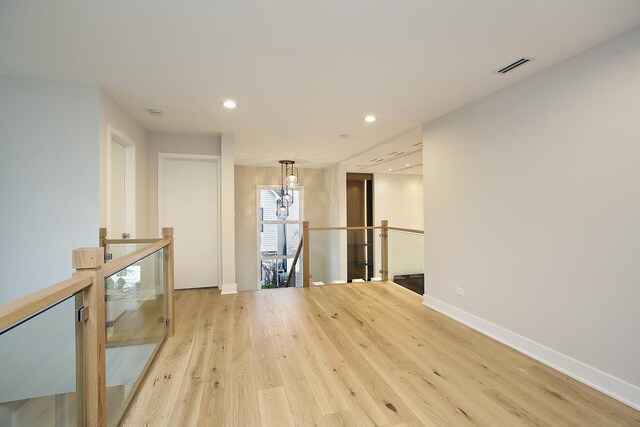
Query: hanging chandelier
289	179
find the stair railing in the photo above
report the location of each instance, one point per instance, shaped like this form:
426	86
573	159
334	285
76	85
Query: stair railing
26	323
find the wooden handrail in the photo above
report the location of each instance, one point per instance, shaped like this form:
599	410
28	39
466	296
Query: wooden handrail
374	227
130	241
104	240
114	266
30	305
406	230
295	261
89	279
384	244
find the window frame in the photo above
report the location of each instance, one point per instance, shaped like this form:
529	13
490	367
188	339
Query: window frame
260	227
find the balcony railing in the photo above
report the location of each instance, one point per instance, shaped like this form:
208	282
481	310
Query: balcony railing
74	353
335	255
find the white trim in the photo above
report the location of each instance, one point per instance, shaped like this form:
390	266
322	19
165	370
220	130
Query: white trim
228	288
626	393
277	257
114	135
162	158
271	221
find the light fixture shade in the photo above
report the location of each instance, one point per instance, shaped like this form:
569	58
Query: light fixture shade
292	180
287	200
282	212
289	179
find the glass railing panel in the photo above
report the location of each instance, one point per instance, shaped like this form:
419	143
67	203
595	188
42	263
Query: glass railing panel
360	255
377	254
327	256
135	309
40	367
119	250
406	260
343	256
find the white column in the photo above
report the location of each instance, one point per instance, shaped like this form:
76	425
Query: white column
227	223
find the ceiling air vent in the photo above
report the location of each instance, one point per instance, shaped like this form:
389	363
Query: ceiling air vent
514	65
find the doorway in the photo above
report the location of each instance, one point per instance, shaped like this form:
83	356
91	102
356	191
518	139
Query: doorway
121	185
188	201
359	214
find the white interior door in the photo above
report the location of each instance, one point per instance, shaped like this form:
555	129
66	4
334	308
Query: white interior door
188	196
121	172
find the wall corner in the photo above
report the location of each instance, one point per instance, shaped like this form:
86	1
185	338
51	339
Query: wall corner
227	209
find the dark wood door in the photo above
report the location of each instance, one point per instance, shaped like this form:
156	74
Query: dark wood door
357	242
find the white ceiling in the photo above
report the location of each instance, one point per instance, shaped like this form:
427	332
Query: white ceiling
302	72
402	154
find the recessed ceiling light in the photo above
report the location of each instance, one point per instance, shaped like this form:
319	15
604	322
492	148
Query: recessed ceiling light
345	135
370	118
229	104
407	165
389	170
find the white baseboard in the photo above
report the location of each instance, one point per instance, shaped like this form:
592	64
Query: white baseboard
626	393
229	288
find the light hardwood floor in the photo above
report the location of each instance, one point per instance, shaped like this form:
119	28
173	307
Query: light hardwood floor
349	355
140	325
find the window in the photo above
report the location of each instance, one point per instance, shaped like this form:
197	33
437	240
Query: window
278	240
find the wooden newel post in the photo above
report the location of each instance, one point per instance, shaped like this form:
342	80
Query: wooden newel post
384	249
167	233
305	254
88	262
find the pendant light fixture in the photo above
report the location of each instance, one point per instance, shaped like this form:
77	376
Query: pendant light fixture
289	179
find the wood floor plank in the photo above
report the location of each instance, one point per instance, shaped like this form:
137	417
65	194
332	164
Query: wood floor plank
274	408
499	372
345	382
158	394
367	354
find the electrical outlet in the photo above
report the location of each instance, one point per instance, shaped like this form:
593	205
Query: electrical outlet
459	291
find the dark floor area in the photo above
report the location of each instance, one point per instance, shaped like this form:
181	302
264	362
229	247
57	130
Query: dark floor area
413	282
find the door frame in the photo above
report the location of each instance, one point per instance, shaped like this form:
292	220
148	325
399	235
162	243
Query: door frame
162	158
114	135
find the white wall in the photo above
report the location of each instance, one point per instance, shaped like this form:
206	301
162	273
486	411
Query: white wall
532	205
247	178
48	181
398	198
228	213
336	187
113	114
